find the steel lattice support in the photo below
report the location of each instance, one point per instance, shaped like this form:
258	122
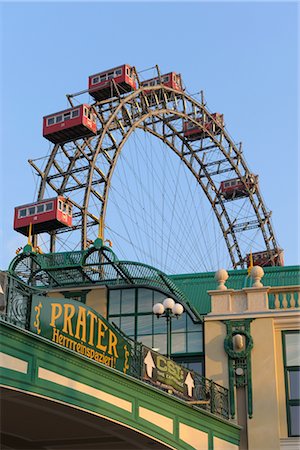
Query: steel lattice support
84	168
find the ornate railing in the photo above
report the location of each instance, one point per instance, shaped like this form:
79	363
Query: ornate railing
281	298
206	395
92	266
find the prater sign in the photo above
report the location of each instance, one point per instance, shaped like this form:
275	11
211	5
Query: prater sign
77	327
165	373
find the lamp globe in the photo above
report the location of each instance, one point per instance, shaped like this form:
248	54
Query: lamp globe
177	309
168	303
158	309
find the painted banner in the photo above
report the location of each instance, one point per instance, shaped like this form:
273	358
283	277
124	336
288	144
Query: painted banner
166	374
78	327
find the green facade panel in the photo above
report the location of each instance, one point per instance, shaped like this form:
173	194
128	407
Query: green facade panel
34	365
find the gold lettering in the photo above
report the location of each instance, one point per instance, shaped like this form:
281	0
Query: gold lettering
55	335
92	326
172	369
81	323
112	344
55	315
69	311
101	334
161	363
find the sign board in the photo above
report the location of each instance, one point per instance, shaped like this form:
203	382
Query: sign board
166	374
78	327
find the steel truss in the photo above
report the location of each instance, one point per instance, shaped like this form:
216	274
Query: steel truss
86	166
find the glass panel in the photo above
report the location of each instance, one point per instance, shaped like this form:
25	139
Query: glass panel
292	346
160	343
119	72
191	326
114	302
58	119
75	113
127	324
160	325
145	300
158	297
64	208
146	340
70	210
295	420
144	324
194	342
40	208
115	320
197	366
128	301
179	324
49	206
22	213
294	384
50	121
67	116
95	80
31	210
178	343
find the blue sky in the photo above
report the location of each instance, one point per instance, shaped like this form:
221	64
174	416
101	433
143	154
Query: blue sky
243	55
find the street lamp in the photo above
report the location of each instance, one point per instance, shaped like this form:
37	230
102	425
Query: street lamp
168	309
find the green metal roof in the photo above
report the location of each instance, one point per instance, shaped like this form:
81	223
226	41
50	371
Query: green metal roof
196	285
99	265
87	267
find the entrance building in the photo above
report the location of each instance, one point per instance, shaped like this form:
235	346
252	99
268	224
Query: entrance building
84	359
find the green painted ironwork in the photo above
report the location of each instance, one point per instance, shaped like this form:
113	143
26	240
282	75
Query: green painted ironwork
239	359
93	266
39	354
212	396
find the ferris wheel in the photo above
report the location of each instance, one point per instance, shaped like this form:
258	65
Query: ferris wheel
99	146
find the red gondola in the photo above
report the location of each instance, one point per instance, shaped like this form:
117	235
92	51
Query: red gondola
70	124
45	215
263	259
102	87
172	80
193	133
235	188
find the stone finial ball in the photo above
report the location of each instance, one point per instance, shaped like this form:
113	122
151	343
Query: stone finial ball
257	272
221	275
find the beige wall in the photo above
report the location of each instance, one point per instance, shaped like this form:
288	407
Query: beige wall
263	428
269	422
216	365
96	298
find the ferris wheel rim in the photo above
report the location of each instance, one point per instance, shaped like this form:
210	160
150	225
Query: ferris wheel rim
156	112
